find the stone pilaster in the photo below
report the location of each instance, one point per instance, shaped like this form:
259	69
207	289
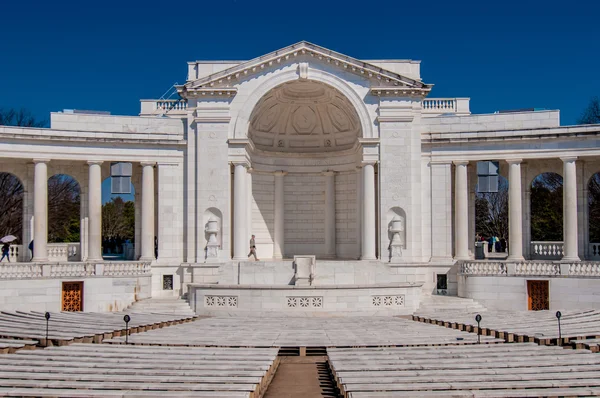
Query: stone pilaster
95	211
369	222
240	238
330	238
278	213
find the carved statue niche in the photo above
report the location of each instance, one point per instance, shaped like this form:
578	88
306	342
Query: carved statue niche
396	233
212	233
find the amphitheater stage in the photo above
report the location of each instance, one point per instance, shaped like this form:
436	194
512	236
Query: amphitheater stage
303	301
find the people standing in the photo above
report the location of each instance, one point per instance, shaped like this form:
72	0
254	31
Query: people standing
5	252
252	248
31	248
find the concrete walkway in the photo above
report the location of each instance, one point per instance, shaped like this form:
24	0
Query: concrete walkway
301	377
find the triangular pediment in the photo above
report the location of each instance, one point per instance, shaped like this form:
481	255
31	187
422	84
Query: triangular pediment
384	81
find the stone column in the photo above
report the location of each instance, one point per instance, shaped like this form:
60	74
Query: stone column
368	203
147	211
461	211
330	249
571	250
278	213
515	213
94	211
240	240
40	211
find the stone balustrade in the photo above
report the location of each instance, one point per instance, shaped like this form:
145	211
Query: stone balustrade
74	269
160	107
15	252
531	268
546	250
64	251
483	268
441	106
594	251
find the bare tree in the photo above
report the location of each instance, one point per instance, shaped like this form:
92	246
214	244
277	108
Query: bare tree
63	209
591	115
11	205
492	212
20	117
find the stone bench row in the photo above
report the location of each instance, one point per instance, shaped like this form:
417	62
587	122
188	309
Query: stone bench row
319	333
524	326
133	371
67	328
418	372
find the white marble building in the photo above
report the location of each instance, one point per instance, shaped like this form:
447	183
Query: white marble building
316	154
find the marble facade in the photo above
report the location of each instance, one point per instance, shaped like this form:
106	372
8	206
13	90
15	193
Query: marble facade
315	153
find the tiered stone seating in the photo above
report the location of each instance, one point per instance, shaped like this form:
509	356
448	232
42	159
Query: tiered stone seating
533	326
103	370
77	327
435	304
12	345
303	332
491	370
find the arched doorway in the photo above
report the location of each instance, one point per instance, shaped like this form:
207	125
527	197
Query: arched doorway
11	215
546	226
64	220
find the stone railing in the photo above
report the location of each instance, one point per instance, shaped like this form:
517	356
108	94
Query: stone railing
594	251
530	268
584	269
15	253
20	271
126	268
546	250
71	269
161	107
440	106
483	268
535	268
64	251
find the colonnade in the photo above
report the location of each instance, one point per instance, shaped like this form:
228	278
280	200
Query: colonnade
240	216
515	215
40	210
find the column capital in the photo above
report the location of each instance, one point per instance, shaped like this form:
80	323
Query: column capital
241	163
37	160
460	162
91	162
514	161
368	163
147	163
568	158
279	173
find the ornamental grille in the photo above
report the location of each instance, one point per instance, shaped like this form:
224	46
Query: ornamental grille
72	296
538	293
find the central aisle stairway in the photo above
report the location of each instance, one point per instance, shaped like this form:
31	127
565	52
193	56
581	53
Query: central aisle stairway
162	305
434	304
302	377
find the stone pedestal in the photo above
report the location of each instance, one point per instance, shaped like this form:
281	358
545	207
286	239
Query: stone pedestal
396	243
304	267
212	246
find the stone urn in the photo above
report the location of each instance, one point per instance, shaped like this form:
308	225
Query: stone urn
396	228
212	228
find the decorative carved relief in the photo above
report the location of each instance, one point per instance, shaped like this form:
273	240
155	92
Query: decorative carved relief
388	301
221	301
304	302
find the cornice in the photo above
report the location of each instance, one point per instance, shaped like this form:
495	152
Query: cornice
229	77
205	92
400	92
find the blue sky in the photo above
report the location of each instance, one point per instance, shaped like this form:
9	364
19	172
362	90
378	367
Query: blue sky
107	55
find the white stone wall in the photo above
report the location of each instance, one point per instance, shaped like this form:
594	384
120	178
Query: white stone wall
170	213
510	293
100	294
116	124
263	202
491	122
304	225
441	212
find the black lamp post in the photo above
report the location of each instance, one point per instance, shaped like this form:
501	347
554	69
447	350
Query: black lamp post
47	316
126	318
478	319
558	315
